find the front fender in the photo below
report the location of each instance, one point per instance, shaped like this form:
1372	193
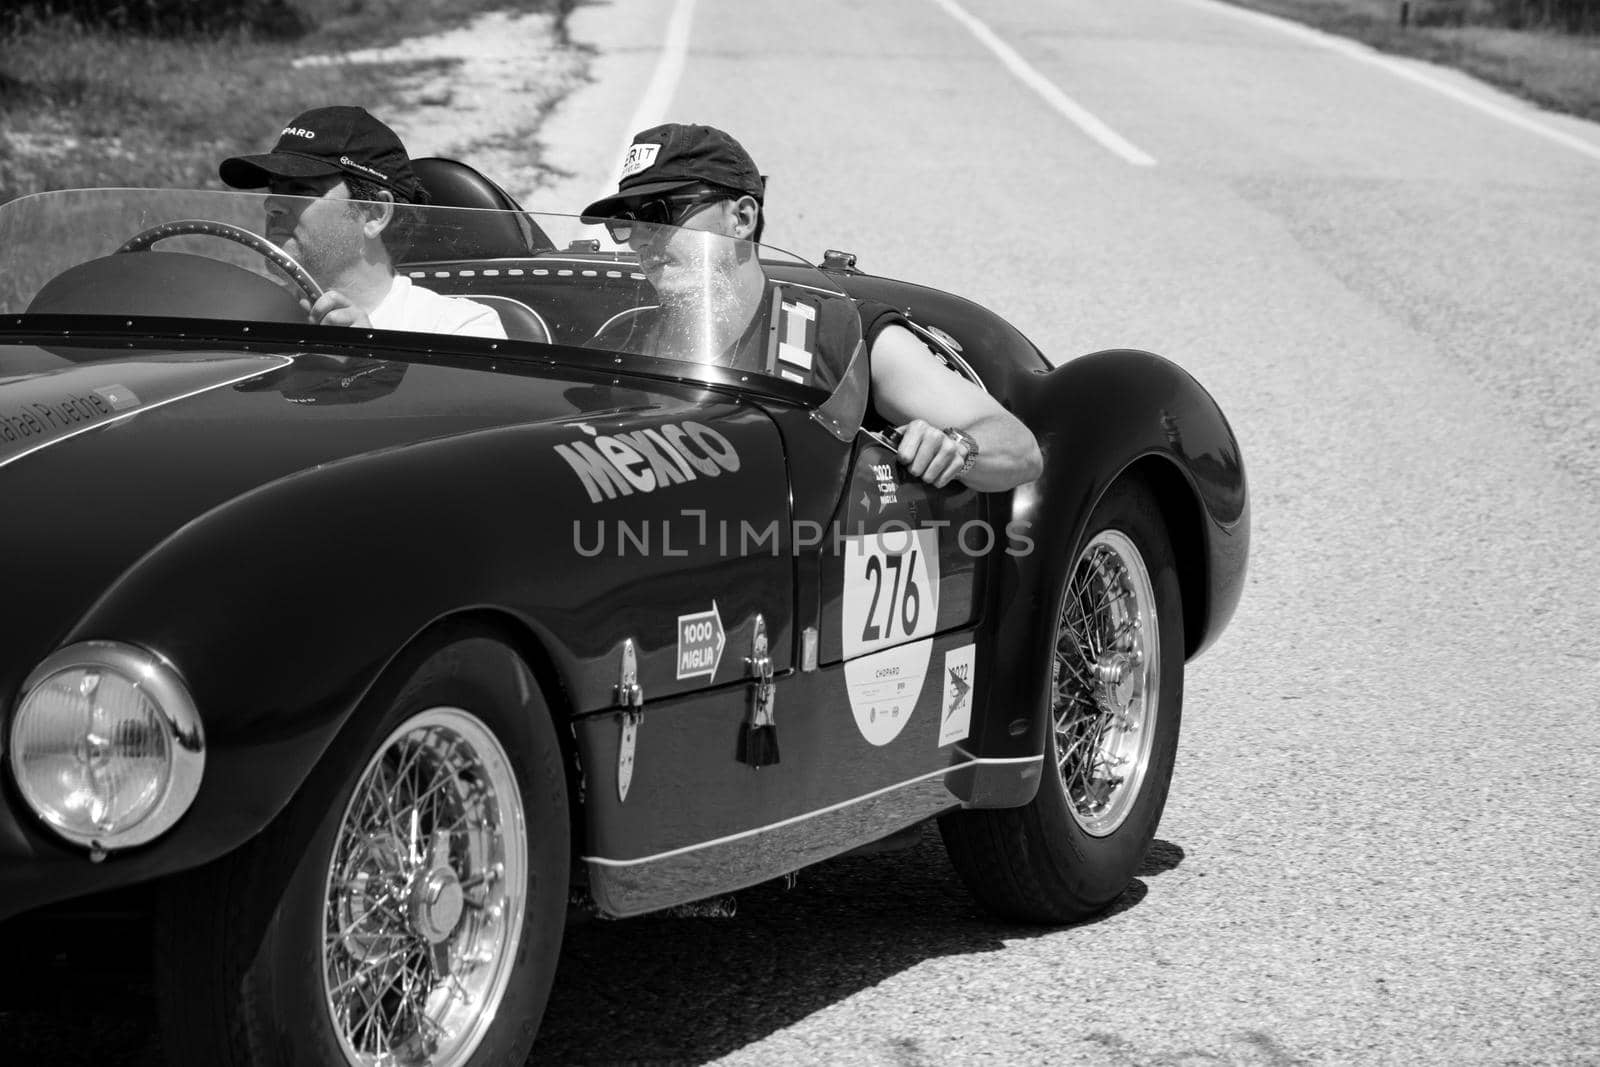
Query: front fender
283	607
1102	417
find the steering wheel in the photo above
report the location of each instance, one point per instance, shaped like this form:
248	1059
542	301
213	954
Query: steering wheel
142	240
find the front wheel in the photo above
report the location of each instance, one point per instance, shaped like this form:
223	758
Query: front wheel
414	919
1117	694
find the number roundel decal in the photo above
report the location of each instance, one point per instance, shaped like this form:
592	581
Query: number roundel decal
891	589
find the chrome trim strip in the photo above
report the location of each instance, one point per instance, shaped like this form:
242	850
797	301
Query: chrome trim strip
283	361
793	819
947	353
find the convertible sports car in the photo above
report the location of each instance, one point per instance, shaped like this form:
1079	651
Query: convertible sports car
363	653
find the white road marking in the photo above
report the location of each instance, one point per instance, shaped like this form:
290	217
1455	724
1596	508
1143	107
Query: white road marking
1366	54
1029	75
657	96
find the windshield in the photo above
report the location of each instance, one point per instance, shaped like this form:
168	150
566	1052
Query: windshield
665	293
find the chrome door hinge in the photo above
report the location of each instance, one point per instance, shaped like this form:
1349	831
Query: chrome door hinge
630	698
758	742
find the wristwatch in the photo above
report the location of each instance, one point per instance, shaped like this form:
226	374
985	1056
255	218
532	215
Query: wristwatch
966	440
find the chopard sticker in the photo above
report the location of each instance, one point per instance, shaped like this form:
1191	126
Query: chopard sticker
955	705
891	588
884	688
613	465
701	640
639	157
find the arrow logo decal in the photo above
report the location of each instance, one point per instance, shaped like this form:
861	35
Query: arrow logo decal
701	640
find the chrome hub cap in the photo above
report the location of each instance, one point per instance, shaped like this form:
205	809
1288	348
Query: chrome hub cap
1107	682
424	899
436	904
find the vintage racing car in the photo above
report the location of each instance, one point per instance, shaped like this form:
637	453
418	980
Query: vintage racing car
369	650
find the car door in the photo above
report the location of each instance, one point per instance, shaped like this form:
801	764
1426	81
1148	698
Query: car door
902	568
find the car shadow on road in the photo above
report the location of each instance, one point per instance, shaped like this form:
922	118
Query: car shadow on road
689	990
77	991
652	989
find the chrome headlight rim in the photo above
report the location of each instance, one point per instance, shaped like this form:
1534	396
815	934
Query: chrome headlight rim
158	679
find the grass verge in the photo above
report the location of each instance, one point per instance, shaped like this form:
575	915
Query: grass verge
1554	70
82	107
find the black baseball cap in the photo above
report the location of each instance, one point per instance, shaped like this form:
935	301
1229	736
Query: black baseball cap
668	157
329	140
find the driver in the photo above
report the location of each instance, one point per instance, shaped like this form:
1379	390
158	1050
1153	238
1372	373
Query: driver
354	170
699	179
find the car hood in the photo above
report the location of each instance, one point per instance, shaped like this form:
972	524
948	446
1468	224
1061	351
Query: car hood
102	461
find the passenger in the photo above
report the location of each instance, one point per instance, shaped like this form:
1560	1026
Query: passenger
699	179
340	156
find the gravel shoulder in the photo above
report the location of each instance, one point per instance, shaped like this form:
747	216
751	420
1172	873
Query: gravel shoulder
481	93
543	104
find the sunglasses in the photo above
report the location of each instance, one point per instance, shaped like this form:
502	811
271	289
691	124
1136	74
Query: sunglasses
662	211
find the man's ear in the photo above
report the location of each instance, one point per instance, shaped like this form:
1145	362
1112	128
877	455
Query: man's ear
746	213
379	214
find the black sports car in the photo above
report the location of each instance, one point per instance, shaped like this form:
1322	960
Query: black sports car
371	650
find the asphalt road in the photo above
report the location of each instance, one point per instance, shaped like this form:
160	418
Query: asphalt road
1381	842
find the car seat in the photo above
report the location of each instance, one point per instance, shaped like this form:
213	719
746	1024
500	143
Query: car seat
499	229
501	232
520	321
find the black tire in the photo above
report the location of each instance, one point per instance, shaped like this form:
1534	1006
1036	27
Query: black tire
1041	863
240	943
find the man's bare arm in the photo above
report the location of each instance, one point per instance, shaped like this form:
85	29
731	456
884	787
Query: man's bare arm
912	388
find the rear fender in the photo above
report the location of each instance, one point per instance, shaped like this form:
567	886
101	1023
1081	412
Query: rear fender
1100	418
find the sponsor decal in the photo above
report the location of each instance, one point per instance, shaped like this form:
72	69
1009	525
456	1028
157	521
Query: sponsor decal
296	131
955	706
891	588
346	161
642	461
37	420
884	688
639	157
887	485
701	640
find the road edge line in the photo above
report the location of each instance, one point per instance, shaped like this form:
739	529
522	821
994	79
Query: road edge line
1030	76
1365	53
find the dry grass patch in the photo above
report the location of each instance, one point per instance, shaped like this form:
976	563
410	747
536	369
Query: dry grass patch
82	107
1554	70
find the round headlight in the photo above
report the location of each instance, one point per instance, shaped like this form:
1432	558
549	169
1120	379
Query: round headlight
106	745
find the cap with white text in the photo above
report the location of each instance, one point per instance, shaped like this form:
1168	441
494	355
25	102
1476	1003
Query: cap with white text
674	155
330	140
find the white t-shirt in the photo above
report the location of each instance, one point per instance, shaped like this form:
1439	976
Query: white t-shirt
411	307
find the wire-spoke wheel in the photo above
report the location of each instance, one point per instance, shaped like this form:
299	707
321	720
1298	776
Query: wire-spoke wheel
408	906
1116	694
428	875
1106	682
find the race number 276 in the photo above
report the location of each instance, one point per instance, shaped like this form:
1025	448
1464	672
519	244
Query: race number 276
891	589
902	607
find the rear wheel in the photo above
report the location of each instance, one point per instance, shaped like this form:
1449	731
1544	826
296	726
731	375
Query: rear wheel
419	918
1117	685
